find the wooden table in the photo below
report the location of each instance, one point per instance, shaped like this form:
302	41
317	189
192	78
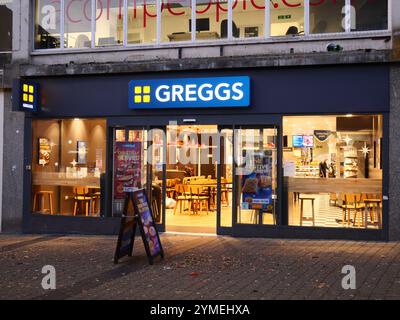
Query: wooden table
209	186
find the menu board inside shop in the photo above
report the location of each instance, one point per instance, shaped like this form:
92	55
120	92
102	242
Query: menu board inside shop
44	151
127	167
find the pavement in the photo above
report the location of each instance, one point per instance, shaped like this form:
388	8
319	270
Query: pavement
198	267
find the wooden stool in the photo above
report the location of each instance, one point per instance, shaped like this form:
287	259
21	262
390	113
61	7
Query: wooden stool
40	197
302	218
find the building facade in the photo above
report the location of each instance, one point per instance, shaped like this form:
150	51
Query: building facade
243	118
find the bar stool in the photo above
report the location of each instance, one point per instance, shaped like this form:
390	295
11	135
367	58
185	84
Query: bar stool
302	218
40	197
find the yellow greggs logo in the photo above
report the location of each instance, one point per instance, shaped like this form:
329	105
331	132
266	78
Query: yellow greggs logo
141	94
27	93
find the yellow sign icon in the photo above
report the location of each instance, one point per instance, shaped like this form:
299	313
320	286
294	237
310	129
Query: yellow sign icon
141	94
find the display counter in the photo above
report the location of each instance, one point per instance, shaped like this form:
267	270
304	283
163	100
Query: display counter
333	185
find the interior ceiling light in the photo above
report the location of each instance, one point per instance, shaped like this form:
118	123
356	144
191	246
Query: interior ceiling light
365	150
347	140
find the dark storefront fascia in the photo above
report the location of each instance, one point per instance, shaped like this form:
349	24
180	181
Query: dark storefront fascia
354	89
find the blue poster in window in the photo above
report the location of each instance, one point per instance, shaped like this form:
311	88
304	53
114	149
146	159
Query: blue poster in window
257	184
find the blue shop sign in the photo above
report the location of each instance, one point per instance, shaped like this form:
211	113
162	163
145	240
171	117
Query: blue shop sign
190	93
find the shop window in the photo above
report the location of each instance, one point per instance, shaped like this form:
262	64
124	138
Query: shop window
333	170
77	24
142	21
176	17
47	24
248	19
211	19
287	18
67	163
327	16
256	177
6	18
369	15
109	23
105	20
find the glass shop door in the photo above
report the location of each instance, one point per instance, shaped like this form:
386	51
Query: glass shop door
139	162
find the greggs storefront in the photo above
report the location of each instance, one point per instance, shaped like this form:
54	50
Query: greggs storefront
290	152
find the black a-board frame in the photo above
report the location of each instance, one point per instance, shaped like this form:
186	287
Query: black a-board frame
129	222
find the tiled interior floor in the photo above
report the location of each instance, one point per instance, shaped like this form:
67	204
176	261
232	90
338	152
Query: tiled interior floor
205	222
326	214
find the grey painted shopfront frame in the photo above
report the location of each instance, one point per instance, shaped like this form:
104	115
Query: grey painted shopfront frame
108	225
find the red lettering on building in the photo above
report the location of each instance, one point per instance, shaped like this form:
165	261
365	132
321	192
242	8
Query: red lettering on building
220	9
291	5
68	14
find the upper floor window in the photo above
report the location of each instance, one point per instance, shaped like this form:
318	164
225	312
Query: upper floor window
6	18
100	23
369	15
